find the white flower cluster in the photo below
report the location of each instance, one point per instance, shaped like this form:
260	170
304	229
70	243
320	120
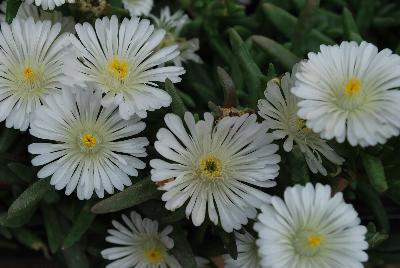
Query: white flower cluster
85	94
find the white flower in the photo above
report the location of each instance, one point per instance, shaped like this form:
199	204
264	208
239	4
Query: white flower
215	168
141	244
119	60
309	228
93	148
173	25
138	7
247	252
49	4
31	67
67	23
280	113
351	91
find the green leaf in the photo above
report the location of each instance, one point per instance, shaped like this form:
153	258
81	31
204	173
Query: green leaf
350	27
177	105
230	97
374	238
75	257
12	9
229	241
279	53
365	14
182	249
53	228
303	26
7	136
137	193
80	226
175	216
30	240
27	202
25	173
252	73
375	172
298	166
371	198
5	232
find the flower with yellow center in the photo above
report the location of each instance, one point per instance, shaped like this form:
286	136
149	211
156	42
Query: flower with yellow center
93	149
279	109
210	167
217	167
353	86
350	92
48	4
31	67
128	71
140	244
119	68
319	230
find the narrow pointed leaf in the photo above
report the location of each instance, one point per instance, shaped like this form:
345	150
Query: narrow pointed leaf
53	228
182	249
12	9
137	193
375	172
177	105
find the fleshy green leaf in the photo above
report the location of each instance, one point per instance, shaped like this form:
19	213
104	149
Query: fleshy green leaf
279	53
30	240
12	9
75	257
28	201
182	249
229	241
177	105
137	193
298	166
53	228
375	172
374	238
25	173
350	27
230	97
80	226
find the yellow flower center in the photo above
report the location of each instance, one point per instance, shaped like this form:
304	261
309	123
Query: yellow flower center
28	73
353	86
211	167
153	256
88	140
119	68
314	240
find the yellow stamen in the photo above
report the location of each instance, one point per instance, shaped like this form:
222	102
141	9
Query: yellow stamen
211	166
119	68
89	140
153	256
28	73
353	86
314	240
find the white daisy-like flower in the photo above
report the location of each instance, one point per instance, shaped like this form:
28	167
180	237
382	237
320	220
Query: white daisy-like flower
119	59
280	113
138	7
309	228
67	23
31	67
141	245
215	167
173	24
92	149
49	4
247	252
350	91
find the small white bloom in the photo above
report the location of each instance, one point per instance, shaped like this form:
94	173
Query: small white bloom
138	7
309	228
350	91
67	23
141	244
215	167
49	4
173	25
93	148
247	252
119	59
280	113
31	67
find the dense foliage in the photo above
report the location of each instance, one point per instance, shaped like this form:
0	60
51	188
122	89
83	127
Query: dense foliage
242	48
